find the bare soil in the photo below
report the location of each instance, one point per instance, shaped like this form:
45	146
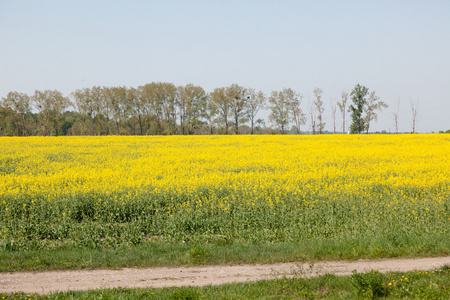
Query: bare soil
58	281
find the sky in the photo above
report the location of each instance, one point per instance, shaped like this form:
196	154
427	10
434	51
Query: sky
398	48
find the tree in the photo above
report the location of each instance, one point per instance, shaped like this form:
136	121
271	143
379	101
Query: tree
221	103
182	103
415	115
396	116
133	100
58	105
312	116
371	106
191	101
280	107
51	105
333	115
107	108
167	96
343	108
298	116
238	100
20	105
151	107
255	101
159	103
42	103
7	122
318	105
141	108
98	101
85	105
118	106
209	113
358	96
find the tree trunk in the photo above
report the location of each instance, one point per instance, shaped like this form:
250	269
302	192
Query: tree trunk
92	125
56	126
226	125
107	125
23	124
140	123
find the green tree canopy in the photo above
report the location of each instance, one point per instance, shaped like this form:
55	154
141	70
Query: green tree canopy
358	96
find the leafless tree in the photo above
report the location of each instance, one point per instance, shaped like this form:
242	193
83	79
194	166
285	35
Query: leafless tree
343	108
396	116
297	113
415	115
318	103
312	116
237	98
221	103
372	104
333	115
255	101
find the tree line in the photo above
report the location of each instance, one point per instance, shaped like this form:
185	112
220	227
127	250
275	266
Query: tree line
161	108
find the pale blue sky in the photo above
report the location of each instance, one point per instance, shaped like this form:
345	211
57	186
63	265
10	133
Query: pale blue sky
400	49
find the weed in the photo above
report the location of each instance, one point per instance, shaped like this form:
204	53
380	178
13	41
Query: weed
369	284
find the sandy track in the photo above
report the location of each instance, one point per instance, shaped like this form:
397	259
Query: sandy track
57	281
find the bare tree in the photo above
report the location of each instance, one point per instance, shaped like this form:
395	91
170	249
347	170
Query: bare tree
255	101
415	115
312	116
297	113
343	108
237	98
371	106
318	103
333	114
221	103
396	116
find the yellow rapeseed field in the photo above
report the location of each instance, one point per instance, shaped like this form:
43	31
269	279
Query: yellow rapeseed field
264	188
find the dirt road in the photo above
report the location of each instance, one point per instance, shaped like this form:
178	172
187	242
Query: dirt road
56	281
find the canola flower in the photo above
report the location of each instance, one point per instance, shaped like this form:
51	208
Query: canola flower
265	188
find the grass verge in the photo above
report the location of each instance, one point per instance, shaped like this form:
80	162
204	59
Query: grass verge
152	254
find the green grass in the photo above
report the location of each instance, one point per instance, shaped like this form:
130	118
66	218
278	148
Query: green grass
412	285
150	254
